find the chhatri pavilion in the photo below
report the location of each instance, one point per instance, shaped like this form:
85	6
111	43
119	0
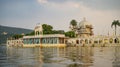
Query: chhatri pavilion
40	40
83	29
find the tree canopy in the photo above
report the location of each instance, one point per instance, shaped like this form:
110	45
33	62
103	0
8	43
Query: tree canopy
47	29
115	23
17	36
70	34
58	32
73	22
29	34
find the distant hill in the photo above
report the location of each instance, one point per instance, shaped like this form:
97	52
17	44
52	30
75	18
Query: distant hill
6	32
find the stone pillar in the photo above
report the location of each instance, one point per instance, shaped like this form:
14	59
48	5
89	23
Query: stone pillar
113	41
88	41
108	40
57	40
98	40
103	41
40	40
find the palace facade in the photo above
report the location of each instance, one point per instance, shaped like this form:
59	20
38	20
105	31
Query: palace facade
85	36
39	39
83	29
83	32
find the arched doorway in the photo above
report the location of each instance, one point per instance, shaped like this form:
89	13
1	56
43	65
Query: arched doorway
37	32
90	41
77	41
116	40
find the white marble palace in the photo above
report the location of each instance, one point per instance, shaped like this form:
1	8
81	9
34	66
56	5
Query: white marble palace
86	37
39	40
83	29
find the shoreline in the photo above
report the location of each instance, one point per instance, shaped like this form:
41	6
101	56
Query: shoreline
63	45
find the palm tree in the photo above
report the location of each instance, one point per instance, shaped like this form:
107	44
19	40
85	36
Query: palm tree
115	23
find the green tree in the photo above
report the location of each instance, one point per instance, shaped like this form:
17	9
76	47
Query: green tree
17	36
58	32
73	22
115	23
29	34
70	34
47	29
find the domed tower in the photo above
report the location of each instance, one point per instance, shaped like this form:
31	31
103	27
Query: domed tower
85	29
38	29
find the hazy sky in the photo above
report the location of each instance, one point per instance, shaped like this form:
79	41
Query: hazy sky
59	13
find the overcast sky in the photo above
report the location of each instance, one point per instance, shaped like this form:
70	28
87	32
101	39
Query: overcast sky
59	13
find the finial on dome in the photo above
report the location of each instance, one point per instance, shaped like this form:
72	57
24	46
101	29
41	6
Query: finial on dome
38	24
84	19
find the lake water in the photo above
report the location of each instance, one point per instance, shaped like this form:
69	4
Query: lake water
60	57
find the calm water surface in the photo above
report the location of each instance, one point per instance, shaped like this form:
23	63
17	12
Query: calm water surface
60	57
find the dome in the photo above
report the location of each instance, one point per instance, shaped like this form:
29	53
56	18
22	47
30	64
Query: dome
38	29
38	26
84	23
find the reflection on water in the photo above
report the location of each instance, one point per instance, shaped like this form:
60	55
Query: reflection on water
60	57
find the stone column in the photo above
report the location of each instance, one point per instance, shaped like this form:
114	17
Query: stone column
98	40
88	41
57	40
103	41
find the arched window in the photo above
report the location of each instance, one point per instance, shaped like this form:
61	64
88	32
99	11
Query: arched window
111	40
81	41
90	41
66	41
105	41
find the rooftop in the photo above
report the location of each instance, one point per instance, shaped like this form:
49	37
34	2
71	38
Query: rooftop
43	36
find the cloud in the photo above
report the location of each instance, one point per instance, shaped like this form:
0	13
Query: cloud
42	1
101	19
67	5
59	13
